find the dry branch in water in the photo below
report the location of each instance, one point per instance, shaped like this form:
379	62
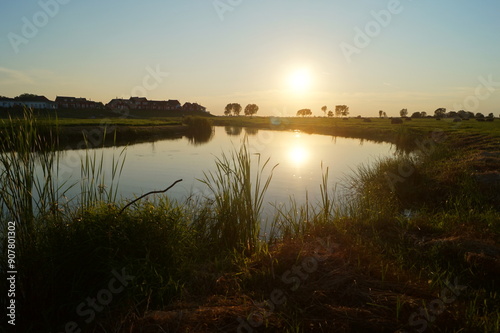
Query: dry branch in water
149	193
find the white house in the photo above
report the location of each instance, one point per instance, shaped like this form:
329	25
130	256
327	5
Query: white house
34	102
6	102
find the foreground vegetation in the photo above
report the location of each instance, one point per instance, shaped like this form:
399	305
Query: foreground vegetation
408	244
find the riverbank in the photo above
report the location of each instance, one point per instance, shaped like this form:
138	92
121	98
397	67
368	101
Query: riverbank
414	247
375	129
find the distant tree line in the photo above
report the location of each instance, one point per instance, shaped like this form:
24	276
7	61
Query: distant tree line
343	111
440	113
340	110
235	109
304	112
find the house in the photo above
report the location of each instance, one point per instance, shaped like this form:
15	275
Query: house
6	102
118	104
173	104
64	102
142	103
139	103
36	102
29	101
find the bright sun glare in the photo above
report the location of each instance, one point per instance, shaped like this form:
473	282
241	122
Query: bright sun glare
298	155
300	80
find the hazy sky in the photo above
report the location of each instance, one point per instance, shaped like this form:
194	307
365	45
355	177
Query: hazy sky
282	55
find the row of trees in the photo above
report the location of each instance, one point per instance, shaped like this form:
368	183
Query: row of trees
235	109
340	110
343	111
439	113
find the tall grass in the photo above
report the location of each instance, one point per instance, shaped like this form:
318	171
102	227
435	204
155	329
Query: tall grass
28	162
31	194
238	195
296	220
94	188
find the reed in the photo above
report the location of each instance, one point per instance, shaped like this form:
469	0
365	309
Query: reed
28	179
94	185
237	195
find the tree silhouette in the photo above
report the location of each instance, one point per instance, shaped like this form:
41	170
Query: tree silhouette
324	108
440	112
251	109
237	109
228	109
380	114
342	110
26	96
304	112
330	114
403	112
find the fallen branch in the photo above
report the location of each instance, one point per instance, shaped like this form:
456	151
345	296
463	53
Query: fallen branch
149	193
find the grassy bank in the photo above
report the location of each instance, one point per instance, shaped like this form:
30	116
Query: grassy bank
144	127
414	246
376	129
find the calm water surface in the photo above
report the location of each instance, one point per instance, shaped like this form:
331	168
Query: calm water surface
154	166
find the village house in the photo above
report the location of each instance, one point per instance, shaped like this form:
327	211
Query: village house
6	102
118	104
64	102
29	101
142	103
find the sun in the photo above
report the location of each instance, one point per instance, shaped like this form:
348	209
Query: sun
300	80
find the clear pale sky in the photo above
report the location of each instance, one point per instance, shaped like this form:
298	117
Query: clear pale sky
427	54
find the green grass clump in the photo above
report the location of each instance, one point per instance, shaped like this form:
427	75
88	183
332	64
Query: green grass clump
72	261
232	219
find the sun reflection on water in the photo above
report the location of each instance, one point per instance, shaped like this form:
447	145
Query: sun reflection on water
298	155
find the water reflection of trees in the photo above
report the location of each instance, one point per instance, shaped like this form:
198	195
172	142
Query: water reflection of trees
200	136
251	131
233	130
199	130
